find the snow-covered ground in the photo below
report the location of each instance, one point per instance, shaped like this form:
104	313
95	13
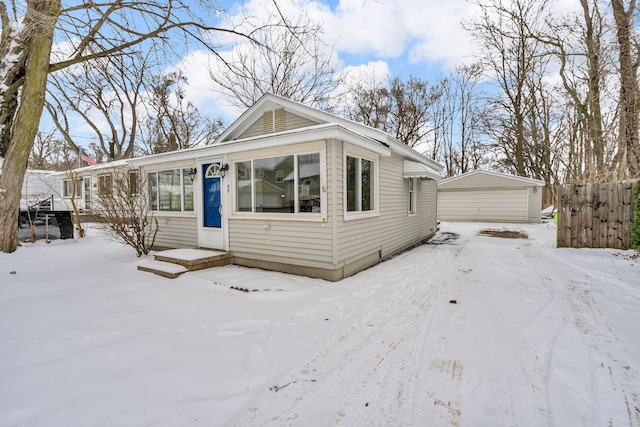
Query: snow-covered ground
466	331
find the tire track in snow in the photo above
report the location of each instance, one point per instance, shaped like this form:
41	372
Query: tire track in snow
377	373
527	399
615	375
614	397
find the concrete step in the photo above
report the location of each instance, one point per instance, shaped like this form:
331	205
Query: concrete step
164	269
194	259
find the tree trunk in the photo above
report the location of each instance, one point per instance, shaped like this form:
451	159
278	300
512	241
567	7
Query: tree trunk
39	22
628	86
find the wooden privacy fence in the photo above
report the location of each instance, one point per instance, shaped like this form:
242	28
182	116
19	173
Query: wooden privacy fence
595	215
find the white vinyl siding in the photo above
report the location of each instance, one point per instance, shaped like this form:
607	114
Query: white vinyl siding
303	239
535	204
490	197
393	229
177	232
297	243
484	205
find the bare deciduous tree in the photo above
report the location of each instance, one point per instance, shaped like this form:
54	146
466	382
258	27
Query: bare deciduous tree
88	31
173	123
400	108
105	94
628	63
289	59
506	48
25	46
576	42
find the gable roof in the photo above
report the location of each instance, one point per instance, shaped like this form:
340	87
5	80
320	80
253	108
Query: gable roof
375	136
470	180
327	126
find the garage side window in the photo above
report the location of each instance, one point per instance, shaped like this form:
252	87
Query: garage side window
360	184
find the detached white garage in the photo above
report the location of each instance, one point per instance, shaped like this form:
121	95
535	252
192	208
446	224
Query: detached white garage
489	197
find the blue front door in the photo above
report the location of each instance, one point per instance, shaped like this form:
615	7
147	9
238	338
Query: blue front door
211	191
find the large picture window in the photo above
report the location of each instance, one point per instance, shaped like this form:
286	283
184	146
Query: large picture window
170	190
360	175
283	184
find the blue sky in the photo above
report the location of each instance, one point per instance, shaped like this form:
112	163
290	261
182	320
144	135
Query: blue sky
422	38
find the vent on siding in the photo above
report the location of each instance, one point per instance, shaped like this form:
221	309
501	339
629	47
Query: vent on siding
274	120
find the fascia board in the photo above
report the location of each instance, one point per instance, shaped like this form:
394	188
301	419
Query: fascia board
314	133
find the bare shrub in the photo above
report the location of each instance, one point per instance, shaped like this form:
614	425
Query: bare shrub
123	211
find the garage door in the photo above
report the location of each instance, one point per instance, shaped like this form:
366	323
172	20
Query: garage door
486	205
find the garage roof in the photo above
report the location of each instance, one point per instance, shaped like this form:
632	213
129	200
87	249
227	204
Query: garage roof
486	179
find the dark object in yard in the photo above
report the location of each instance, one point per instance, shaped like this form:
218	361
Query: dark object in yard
65	224
12	272
453	301
505	234
443	238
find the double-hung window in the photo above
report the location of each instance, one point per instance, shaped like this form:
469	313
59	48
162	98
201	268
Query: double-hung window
170	190
412	196
360	184
105	185
67	187
282	184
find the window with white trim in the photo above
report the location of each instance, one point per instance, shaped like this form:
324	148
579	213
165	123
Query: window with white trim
412	196
105	185
170	190
360	184
282	184
67	187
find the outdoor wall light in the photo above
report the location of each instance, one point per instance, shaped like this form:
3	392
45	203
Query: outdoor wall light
223	170
192	173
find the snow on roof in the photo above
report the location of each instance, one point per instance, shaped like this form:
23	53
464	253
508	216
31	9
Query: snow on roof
501	176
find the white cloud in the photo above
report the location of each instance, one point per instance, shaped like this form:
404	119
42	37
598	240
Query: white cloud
425	30
201	90
379	33
374	72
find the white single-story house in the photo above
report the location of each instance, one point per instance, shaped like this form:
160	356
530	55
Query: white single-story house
490	197
291	188
84	185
